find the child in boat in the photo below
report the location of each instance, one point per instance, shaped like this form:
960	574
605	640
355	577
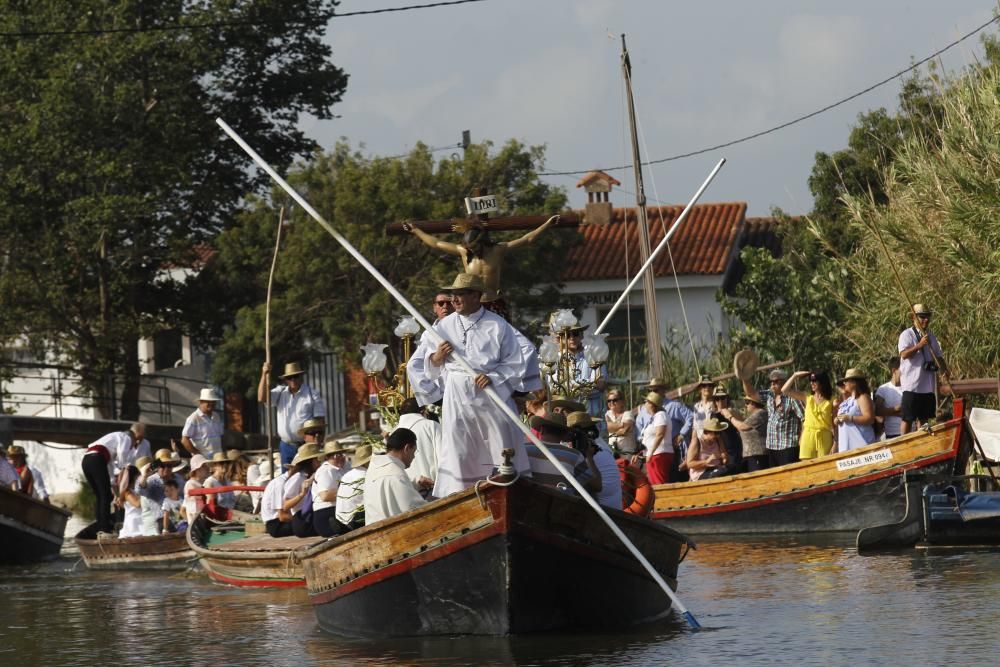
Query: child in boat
199	473
171	508
129	499
220	477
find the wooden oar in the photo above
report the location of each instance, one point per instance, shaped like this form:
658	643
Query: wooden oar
267	344
500	403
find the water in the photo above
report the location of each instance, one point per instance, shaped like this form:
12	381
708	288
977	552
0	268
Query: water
764	602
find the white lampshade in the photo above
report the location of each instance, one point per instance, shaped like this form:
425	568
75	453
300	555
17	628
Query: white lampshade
374	359
563	319
548	351
595	349
407	327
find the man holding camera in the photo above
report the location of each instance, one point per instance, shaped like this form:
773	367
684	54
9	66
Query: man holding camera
920	359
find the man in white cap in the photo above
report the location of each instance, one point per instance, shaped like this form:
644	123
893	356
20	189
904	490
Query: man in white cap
920	361
474	430
202	433
296	403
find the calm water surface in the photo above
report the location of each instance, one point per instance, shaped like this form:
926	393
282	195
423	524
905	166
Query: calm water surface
776	602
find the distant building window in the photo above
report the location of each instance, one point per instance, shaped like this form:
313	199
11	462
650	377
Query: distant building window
625	323
168	349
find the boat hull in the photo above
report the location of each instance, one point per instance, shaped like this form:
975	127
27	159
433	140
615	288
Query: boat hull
844	492
252	562
168	551
30	530
527	559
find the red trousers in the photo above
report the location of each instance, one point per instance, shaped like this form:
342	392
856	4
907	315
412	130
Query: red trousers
658	468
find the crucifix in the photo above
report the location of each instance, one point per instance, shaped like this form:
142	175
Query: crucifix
479	253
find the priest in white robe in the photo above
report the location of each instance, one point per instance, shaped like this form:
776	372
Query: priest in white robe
474	430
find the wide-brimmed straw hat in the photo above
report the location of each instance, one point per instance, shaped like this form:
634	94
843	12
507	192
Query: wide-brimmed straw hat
16	450
705	380
553	421
314	425
580	420
170	458
921	309
291	370
142	463
362	455
567	404
219	457
197	461
713	425
745	364
852	374
720	391
756	401
306	452
209	394
655	397
334	446
466	281
234	454
656	382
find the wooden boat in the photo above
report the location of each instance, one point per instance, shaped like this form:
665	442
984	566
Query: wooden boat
240	553
30	530
168	551
847	491
492	561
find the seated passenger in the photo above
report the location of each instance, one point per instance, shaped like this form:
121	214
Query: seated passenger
325	484
388	489
220	477
553	432
277	521
298	489
19	459
199	473
351	492
128	498
171	508
706	456
610	493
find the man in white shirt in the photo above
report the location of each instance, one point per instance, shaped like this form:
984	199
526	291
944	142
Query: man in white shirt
388	491
296	402
351	492
277	522
423	470
326	481
203	429
889	401
425	390
38	485
920	361
474	431
128	446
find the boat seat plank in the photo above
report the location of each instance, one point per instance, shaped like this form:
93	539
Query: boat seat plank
260	543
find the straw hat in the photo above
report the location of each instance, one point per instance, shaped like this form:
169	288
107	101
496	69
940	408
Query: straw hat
579	420
306	452
291	370
656	382
720	391
713	425
333	446
466	281
755	401
362	455
567	404
16	450
314	425
655	397
197	461
745	364
209	394
921	309
170	458
554	421
142	463
852	374
706	381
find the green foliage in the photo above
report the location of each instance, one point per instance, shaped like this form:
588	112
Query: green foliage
112	168
322	296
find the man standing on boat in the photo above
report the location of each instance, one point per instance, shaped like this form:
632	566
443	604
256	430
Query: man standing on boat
296	402
584	373
425	390
474	430
784	419
920	360
203	429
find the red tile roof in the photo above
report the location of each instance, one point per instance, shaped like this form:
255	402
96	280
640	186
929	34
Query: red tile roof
704	244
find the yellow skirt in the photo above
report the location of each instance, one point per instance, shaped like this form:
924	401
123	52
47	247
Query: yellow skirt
815	443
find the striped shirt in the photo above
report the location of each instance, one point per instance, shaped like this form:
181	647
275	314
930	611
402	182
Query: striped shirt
542	470
784	421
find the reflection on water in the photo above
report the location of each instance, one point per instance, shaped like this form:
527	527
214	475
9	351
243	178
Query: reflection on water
768	602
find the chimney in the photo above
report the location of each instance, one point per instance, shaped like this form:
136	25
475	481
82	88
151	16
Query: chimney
598	185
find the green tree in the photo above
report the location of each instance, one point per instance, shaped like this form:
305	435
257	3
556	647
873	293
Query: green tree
112	169
323	296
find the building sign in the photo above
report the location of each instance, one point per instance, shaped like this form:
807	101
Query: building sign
865	459
481	205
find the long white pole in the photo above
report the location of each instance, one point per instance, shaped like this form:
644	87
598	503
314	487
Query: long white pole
661	247
465	365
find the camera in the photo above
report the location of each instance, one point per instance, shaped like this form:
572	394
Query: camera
581	440
931	367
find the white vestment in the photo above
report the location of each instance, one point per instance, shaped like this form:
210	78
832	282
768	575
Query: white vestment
388	491
428	432
425	390
474	431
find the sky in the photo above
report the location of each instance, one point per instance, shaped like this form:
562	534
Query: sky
547	72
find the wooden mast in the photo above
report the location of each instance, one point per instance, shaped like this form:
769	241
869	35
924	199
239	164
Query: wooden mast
648	279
